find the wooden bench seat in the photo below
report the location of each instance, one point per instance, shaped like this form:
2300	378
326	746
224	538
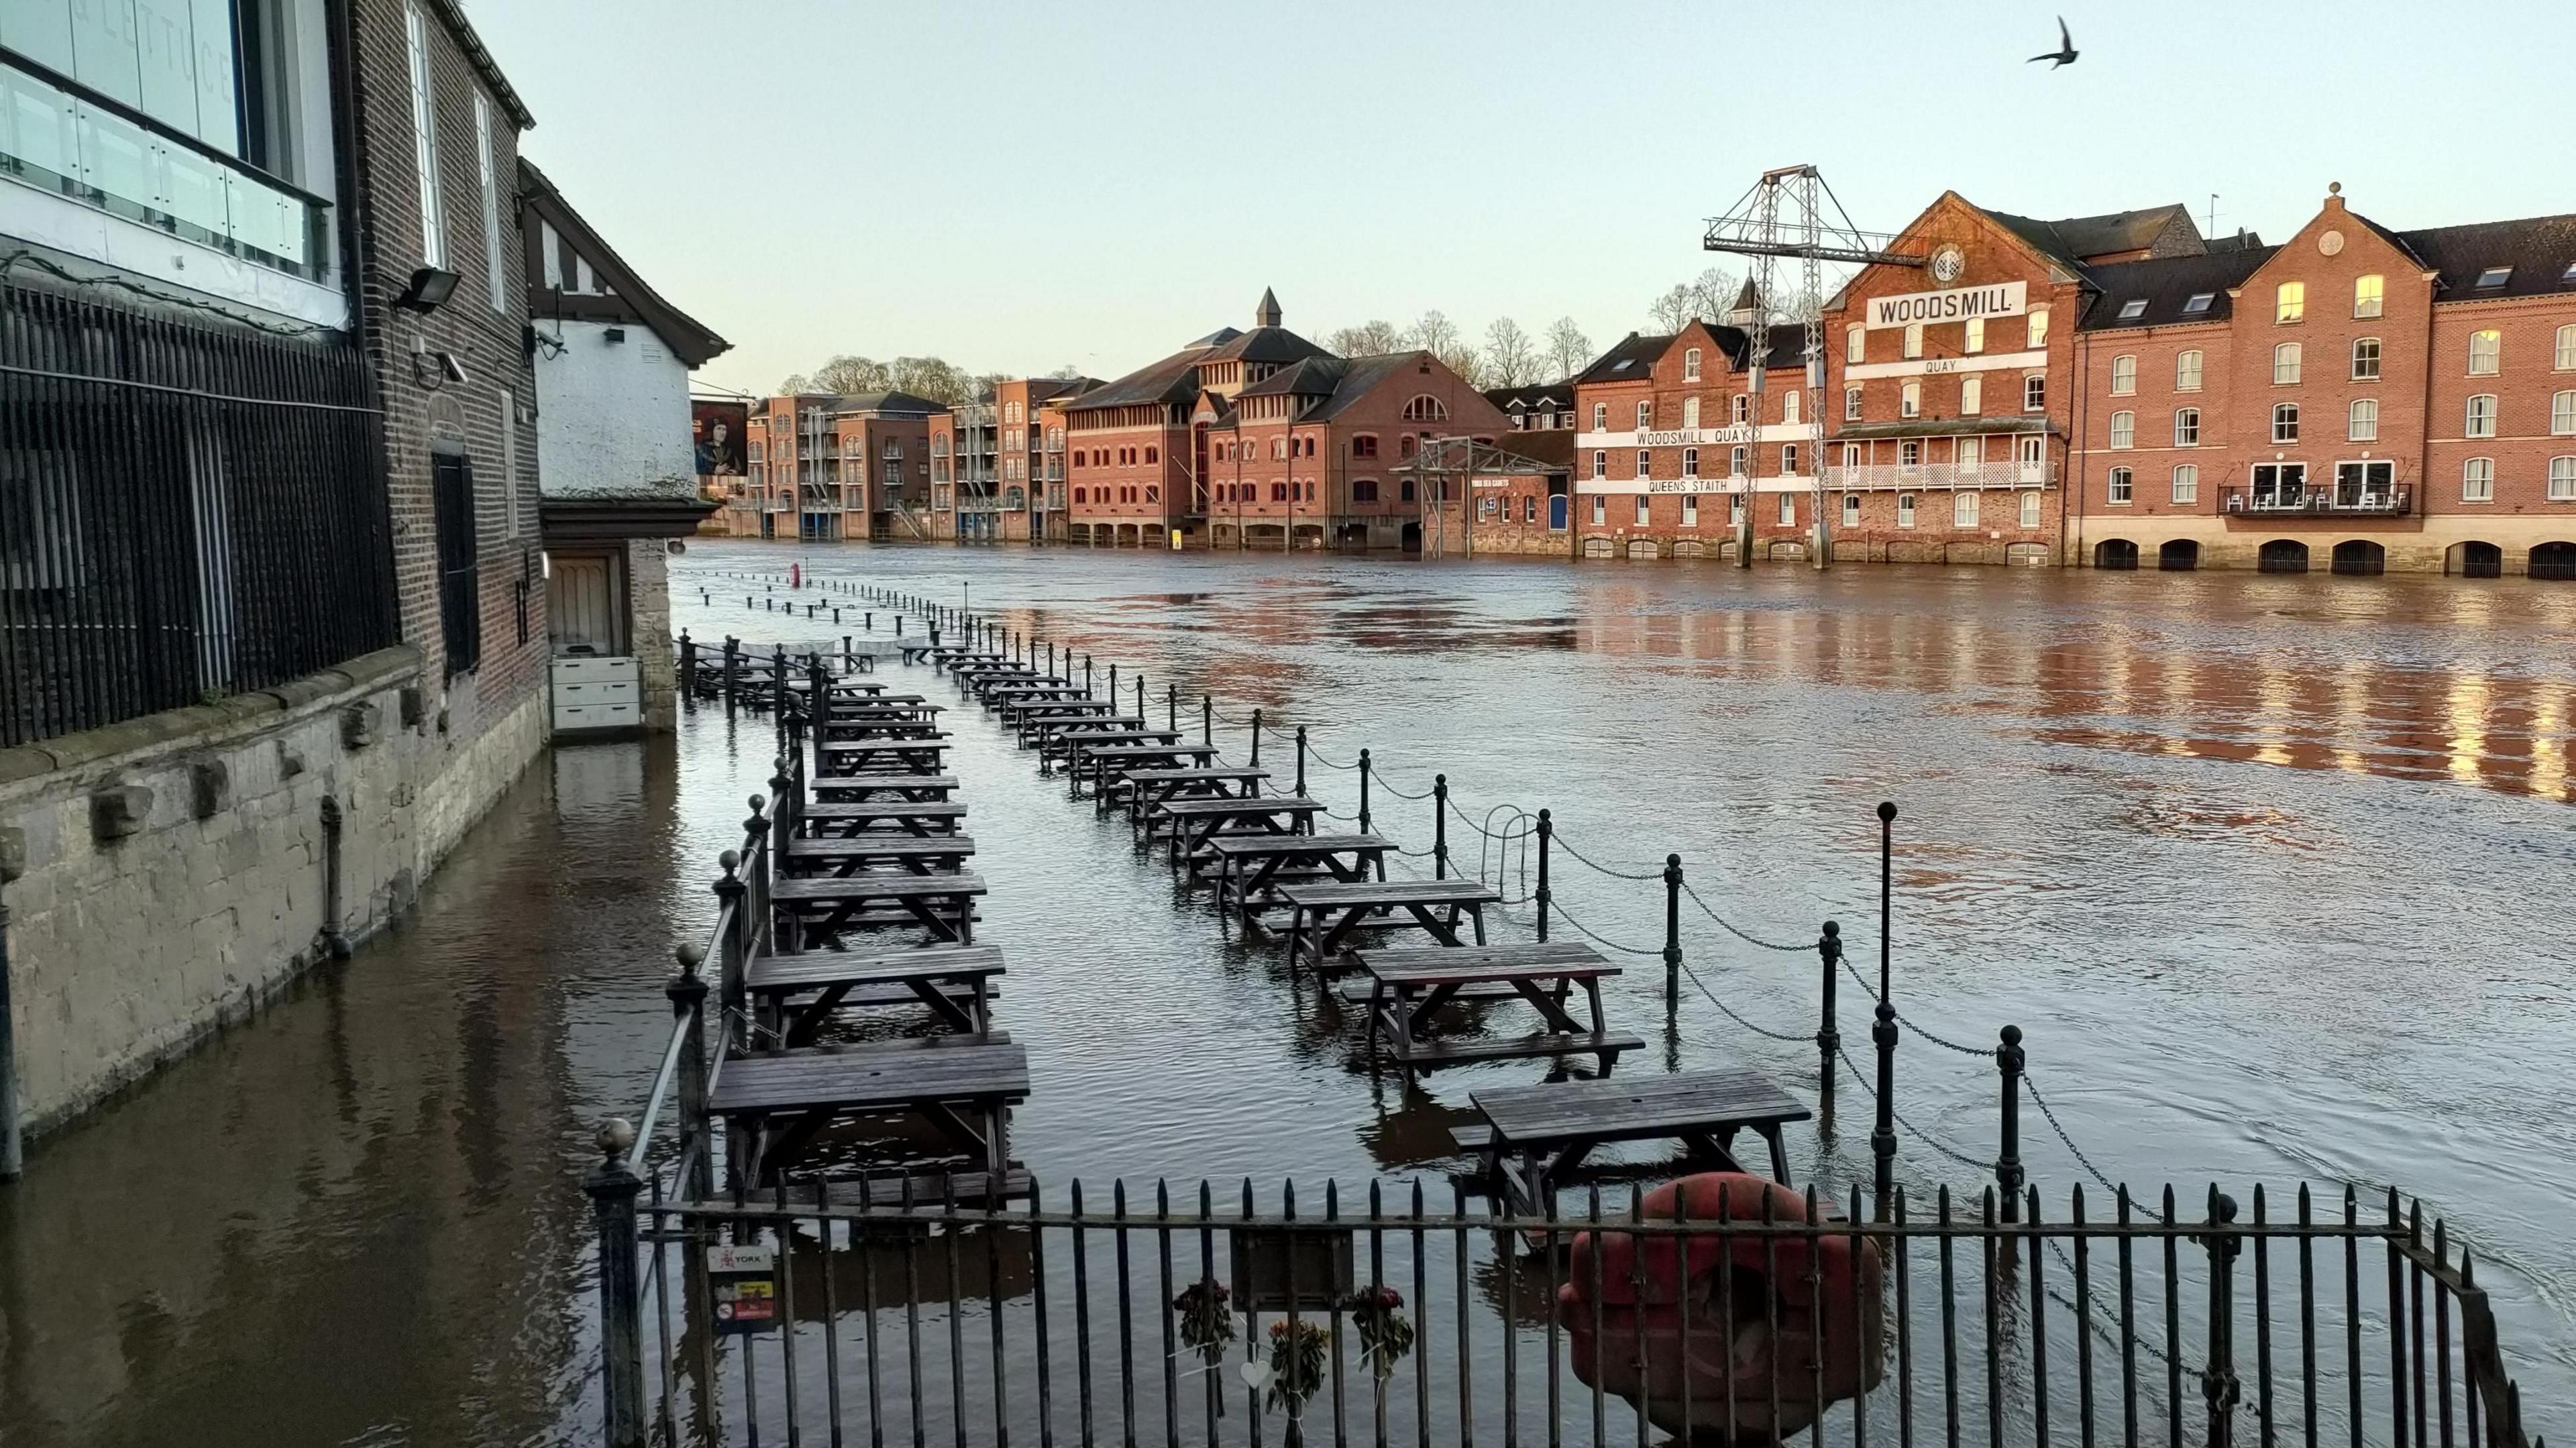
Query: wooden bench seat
1429	1055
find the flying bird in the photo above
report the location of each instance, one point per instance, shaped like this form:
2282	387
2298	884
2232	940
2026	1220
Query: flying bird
2064	54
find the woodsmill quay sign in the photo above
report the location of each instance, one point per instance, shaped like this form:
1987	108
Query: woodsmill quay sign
1958	304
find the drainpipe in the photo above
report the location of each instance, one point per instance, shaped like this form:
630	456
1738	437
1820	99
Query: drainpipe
333	938
13	1157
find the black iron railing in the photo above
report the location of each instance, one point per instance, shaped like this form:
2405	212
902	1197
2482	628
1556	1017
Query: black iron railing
186	510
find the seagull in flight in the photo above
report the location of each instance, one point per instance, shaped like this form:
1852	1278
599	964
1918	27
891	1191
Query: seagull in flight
2065	52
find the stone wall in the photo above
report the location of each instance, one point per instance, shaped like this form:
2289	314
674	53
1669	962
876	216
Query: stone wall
171	869
657	664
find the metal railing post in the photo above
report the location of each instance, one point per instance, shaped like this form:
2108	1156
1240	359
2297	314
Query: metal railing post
1140	698
1366	769
1829	1036
732	672
13	1150
1672	932
1172	709
1207	719
1113	688
2219	1385
1256	738
688	996
1439	827
2008	1170
613	1188
1546	832
1882	1134
1301	759
1086	676
688	672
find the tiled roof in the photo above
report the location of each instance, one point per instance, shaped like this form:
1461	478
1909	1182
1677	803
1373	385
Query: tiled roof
1266	344
2540	249
1174	379
2071	240
1360	377
1533	396
1630	359
2165	286
899	404
1313	377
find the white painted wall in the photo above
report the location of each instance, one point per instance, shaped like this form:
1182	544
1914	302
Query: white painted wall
611	416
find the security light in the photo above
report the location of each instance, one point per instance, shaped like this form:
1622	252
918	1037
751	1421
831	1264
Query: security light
428	290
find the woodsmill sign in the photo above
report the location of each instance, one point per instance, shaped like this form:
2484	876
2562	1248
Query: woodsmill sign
1958	304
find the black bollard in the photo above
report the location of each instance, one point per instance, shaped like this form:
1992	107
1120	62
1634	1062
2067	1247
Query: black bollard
1172	709
688	672
1301	759
1672	932
868	620
1113	688
732	671
849	655
1365	771
1829	1038
1086	676
1207	719
1439	827
2008	1170
1882	1135
1256	738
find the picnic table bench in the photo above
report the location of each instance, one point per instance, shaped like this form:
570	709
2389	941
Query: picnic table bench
964	1086
1249	867
1407	986
881	785
1436	906
879	726
820	909
1106	765
1149	787
793	995
1191	823
835	855
1057	735
1534	1137
868	816
858	756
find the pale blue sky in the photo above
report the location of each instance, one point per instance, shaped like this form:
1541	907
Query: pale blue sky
1017	186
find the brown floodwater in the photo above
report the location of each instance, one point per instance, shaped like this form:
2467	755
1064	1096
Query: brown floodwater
2274	872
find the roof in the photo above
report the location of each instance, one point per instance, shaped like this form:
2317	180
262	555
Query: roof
688	338
1173	379
1551	448
2166	285
484	66
2075	240
1265	344
2540	249
1533	396
1630	359
889	401
1312	377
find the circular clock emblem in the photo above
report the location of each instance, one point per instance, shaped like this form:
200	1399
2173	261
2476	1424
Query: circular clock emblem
1947	262
2329	242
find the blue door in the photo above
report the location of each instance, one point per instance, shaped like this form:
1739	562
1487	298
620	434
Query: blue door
1556	513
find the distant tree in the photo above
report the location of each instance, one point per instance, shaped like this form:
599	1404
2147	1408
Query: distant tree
1469	363
1371	338
1066	373
1511	358
935	378
1669	311
1712	293
847	374
1435	334
1568	350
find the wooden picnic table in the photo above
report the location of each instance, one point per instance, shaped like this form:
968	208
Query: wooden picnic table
1409	985
794	994
964	1086
1057	736
1190	823
1150	787
908	706
1106	764
859	756
881	784
1010	696
889	726
1535	1136
1034	719
843	685
858	817
820	910
848	854
1249	866
1435	906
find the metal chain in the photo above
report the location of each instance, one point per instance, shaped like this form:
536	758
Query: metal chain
1920	1134
1738	934
1739	1020
1585	931
1559	838
2099	1315
1319	758
1909	1023
2086	1162
1380	776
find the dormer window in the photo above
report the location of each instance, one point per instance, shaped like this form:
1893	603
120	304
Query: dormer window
2493	277
2198	305
2131	311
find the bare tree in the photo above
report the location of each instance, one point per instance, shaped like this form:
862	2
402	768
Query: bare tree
1568	350
935	378
1435	334
1372	338
1462	358
848	373
1066	373
1712	293
1511	358
1671	310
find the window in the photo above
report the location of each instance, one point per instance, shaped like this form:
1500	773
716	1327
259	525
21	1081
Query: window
1600	465
1643	458
1851	404
1404	490
2030	510
1851	510
1963	510
2186	427
1788	510
2187	371
1153	455
1404	446
2562	479
1790	405
2124	429
1598	510
1364	446
2285	364
1364	490
1789	461
492	275
460	584
1734	509
1736	458
424	135
1910	401
1278	450
2039	327
2363	423
1905	510
1641	510
509	463
2124	376
1529	508
1690	462
2477	480
2285	422
2486	353
1690	510
2133	309
2186	483
1972	396
2197	305
2562	414
1645	416
2494	277
1913	340
2482	416
2563	358
1975	338
1426	408
1739	410
1855	343
1690	365
1909	453
2365	296
1690	411
1601	417
2290	302
2365	359
2034	393
2120	485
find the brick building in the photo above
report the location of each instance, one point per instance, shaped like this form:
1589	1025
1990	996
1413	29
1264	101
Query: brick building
1536	406
828	466
998	463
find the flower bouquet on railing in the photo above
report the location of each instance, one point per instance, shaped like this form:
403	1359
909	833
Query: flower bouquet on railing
1296	1367
1385	1334
1206	1320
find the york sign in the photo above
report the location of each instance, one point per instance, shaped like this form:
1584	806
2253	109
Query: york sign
2003	299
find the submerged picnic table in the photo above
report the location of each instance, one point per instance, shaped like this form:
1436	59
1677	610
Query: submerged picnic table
860	756
1408	986
878	815
1107	765
820	910
1190	823
1149	787
795	994
1535	1136
1435	906
847	854
963	1086
887	784
1249	867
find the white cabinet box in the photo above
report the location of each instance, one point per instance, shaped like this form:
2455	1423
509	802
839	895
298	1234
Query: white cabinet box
595	692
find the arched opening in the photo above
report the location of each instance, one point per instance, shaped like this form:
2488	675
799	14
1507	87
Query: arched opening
2360	558
2178	555
1596	548
1412	538
2118	554
1641	547
2282	555
2476	560
2027	555
2554	560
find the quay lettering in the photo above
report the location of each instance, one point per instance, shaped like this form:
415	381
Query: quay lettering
2003	299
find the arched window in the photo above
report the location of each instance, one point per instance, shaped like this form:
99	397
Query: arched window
1690	365
2363	424
2124	376
1153	454
2365	359
2285	422
1077	495
2285	364
2124	429
2562	414
1855	343
2481	420
1425	408
2186	427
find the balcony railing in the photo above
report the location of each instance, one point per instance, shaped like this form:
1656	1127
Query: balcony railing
2322	502
1943	475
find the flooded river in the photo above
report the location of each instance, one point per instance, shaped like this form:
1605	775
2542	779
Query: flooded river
2273	872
